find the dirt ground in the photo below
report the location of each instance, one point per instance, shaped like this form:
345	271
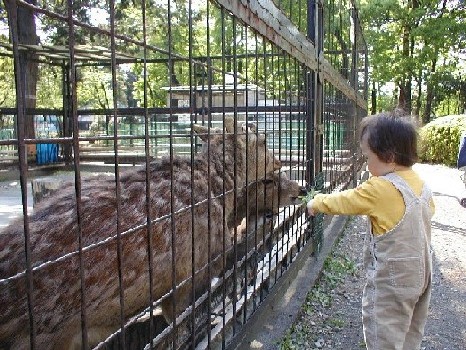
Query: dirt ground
331	317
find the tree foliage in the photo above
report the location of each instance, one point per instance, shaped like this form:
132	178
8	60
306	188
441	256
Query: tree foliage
417	45
7	85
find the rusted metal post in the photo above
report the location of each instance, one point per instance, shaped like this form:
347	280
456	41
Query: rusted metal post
314	145
67	128
355	84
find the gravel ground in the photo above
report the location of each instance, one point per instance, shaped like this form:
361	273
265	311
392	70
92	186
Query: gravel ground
330	318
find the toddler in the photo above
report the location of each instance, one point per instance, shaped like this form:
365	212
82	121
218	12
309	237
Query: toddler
397	255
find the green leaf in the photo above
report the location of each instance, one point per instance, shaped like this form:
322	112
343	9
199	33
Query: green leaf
310	194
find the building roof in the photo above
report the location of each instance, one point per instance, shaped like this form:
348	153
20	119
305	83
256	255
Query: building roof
213	87
60	53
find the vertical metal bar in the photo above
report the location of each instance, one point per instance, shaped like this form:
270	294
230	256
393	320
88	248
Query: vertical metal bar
314	147
66	89
192	140
72	112
268	64
327	170
315	34
256	79
319	85
275	64
246	200
309	127
311	99
302	128
225	237
172	187
354	75
284	70
235	168
294	89
148	205
20	77
209	186
301	91
117	174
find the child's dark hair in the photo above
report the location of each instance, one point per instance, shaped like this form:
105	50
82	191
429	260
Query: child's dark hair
393	138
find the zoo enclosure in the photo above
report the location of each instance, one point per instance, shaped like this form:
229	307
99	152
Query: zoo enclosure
298	69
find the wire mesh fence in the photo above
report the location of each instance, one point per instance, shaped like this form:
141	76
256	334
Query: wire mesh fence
161	152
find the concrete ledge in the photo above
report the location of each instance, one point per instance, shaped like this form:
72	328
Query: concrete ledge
268	325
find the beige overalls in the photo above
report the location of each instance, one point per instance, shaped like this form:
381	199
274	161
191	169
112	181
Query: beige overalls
399	273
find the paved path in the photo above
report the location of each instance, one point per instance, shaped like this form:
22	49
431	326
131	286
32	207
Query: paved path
446	327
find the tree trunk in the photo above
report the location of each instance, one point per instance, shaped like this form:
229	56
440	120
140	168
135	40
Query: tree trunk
462	98
429	95
344	70
373	99
404	98
428	110
26	28
417	108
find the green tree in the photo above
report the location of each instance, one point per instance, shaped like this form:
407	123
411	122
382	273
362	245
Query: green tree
57	33
49	87
167	36
412	44
7	91
42	84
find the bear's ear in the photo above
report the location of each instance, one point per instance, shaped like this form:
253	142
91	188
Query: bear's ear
201	131
229	125
251	126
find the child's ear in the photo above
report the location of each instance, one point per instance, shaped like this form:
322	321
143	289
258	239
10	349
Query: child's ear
392	158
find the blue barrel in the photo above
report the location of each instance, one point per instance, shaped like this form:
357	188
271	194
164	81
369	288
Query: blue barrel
46	153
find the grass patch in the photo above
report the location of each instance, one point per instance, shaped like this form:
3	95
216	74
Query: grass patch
336	322
335	269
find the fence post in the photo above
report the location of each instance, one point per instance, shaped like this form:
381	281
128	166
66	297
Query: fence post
67	114
314	123
355	84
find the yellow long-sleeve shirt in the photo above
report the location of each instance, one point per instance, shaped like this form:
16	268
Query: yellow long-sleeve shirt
376	197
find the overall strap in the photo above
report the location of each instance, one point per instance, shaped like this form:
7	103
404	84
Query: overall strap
401	185
426	193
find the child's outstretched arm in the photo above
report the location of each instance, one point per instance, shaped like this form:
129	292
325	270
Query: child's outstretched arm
358	201
310	209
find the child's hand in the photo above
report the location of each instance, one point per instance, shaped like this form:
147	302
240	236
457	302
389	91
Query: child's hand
309	208
308	200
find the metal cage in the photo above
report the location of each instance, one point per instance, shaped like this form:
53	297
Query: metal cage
153	158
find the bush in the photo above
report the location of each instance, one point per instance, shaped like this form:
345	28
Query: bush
439	140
